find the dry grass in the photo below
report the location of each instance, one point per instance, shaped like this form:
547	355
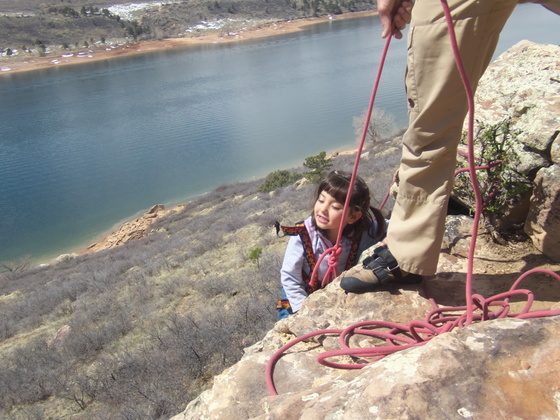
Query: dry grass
139	330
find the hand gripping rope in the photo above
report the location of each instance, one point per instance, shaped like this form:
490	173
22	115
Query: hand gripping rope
440	320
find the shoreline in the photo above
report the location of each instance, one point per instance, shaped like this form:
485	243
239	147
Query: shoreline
138	225
29	64
22	64
129	227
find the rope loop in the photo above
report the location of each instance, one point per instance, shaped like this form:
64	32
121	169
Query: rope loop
336	250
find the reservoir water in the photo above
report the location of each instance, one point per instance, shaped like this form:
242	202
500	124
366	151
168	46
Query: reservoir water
86	147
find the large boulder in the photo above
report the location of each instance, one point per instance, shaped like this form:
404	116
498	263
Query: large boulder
543	221
522	85
500	369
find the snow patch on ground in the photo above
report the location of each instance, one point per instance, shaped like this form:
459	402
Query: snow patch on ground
132	11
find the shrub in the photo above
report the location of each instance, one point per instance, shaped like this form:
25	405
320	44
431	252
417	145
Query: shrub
317	166
497	179
255	255
278	179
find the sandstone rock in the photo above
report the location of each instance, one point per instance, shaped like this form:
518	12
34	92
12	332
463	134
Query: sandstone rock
242	387
543	222
555	149
528	162
457	229
135	229
521	83
63	257
302	182
478	372
158	208
499	369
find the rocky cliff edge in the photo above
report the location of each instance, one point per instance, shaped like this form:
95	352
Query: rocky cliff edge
498	369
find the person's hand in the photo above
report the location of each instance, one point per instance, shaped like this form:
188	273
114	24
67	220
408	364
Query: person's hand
394	12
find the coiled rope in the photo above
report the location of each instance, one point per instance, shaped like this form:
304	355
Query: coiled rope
416	333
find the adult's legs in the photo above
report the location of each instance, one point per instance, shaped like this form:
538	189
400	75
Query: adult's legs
437	108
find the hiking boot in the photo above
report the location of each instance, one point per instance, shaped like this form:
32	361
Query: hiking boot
379	269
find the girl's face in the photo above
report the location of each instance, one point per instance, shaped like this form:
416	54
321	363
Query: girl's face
328	213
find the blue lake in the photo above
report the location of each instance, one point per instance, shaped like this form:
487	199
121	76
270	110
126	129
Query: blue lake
84	148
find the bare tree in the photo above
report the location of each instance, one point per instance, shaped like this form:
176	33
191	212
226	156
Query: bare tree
15	266
381	125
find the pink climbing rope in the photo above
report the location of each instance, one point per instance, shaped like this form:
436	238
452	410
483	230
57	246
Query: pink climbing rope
336	250
397	336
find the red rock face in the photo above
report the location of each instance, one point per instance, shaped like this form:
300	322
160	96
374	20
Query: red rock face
135	229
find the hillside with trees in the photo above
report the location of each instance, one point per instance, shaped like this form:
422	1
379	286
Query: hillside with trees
31	27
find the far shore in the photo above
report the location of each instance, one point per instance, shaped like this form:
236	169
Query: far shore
27	63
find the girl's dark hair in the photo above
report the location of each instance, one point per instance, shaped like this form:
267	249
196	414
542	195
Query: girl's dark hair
336	184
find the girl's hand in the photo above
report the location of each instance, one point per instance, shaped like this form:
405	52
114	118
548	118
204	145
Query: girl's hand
394	12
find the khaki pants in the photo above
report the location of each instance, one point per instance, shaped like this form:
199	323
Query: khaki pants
437	108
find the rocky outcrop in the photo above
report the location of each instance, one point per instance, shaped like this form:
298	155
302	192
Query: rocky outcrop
524	84
543	220
500	369
129	231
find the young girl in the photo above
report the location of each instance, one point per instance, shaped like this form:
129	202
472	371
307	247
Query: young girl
362	227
